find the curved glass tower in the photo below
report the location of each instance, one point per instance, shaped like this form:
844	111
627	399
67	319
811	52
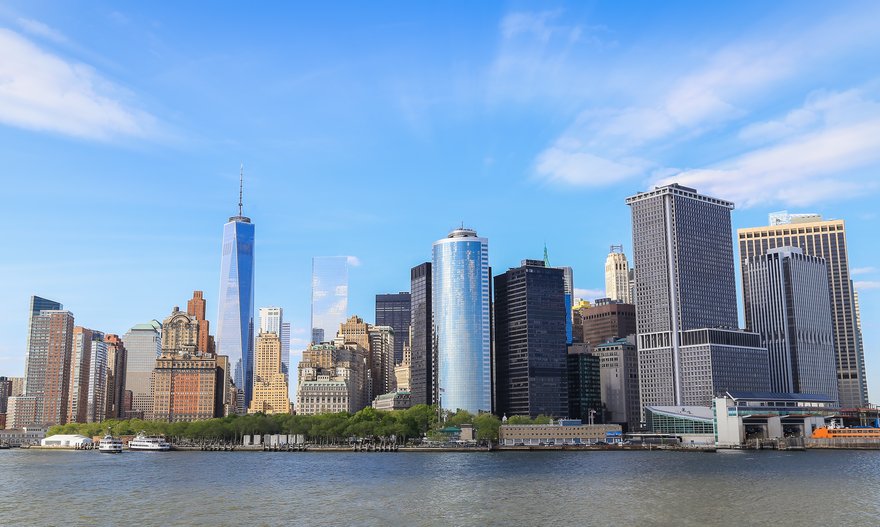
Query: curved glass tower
235	306
462	321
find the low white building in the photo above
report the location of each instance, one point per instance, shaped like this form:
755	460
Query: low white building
66	441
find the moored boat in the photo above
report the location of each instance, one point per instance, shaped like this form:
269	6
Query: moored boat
145	443
836	431
110	445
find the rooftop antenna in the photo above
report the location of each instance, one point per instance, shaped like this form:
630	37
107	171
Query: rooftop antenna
546	256
240	186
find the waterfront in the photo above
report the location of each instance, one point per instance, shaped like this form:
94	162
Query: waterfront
502	488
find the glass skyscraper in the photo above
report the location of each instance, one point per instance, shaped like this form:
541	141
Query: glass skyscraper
462	321
329	296
235	310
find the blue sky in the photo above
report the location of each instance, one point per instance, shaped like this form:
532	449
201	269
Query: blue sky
372	129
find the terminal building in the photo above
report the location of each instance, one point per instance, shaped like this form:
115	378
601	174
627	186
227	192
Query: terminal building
564	432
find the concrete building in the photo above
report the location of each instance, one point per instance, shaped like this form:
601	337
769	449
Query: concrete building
196	307
461	303
5	393
382	346
22	411
825	239
270	384
584	384
27	435
87	391
37	304
566	432
116	360
530	341
332	378
617	276
47	372
397	400
683	256
403	371
423	377
619	381
143	344
604	320
395	310
790	308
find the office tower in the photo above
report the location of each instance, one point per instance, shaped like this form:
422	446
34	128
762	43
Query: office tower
37	304
825	239
271	319
48	367
235	306
617	276
270	384
116	360
403	371
619	381
568	281
789	306
196	307
5	393
577	319
285	350
605	320
332	378
329	295
530	341
584	384
185	379
382	344
422	379
688	341
395	310
462	321
96	397
143	344
80	365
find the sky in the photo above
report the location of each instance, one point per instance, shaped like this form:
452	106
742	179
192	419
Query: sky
370	130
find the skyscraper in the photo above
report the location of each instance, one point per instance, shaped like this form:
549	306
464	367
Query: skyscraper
117	357
329	296
827	240
48	367
422	385
604	321
462	321
271	319
80	361
617	276
530	341
37	304
395	310
143	344
285	350
196	308
270	384
689	344
235	309
789	306
568	282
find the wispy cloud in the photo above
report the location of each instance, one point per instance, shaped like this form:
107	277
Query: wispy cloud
866	284
39	29
42	91
856	271
589	294
353	261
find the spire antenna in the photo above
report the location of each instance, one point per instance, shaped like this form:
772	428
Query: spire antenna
240	186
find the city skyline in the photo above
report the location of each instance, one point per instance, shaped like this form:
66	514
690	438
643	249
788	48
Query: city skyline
152	262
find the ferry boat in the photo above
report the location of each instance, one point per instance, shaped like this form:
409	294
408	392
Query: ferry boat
110	444
146	443
836	431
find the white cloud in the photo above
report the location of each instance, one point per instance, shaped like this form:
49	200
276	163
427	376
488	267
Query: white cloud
353	261
855	271
867	284
42	91
589	294
39	29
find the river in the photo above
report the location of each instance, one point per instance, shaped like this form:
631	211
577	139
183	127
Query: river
482	488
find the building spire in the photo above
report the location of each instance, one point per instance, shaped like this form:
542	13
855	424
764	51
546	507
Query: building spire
240	186
546	256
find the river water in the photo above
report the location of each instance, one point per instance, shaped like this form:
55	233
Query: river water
482	488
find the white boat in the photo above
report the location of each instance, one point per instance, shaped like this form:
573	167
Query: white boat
146	443
110	445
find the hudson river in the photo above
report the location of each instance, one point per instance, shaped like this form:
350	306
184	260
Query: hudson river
739	488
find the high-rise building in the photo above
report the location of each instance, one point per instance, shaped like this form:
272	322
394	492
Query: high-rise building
37	304
47	373
825	239
116	360
285	350
789	306
403	371
619	381
689	344
80	363
382	344
235	307
395	310
196	307
270	384
96	398
271	319
5	393
329	295
462	300
568	281
422	378
143	344
617	276
530	341
584	384
332	378
605	320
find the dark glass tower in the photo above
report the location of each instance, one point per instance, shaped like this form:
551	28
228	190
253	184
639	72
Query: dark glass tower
395	310
530	341
422	345
235	306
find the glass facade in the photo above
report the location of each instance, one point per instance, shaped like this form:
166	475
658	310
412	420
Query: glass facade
329	296
235	313
422	385
143	344
395	310
462	321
